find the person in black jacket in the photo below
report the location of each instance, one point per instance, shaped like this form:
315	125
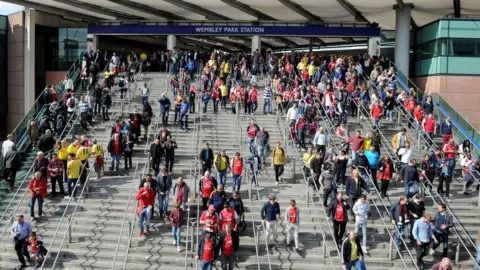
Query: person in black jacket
106	103
13	162
156	154
128	140
97	95
338	213
351	261
46	142
361	163
227	245
206	156
316	168
170	146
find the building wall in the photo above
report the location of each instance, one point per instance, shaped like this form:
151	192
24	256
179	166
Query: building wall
54	77
461	92
15	39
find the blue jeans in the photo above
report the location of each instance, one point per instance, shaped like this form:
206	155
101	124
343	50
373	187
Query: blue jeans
176	235
253	106
222	177
71	186
206	265
144	216
389	113
115	159
407	189
356	265
182	123
403	229
354	155
144	99
175	91
177	114
261	153
32	205
237	181
165	116
163	204
205	106
267	106
251	145
377	123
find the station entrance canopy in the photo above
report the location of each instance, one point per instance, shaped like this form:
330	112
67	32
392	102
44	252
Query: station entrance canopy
278	29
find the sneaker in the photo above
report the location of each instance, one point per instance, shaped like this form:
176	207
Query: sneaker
148	231
178	248
364	249
276	183
140	234
174	242
67	197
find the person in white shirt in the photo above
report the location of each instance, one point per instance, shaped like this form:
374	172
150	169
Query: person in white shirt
360	209
467	164
68	83
7	144
292	217
320	140
292	115
405	153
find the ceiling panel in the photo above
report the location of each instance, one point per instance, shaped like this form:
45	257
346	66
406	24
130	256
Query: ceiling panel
223	9
380	12
159	4
470	7
333	40
329	10
70	8
427	11
274	9
121	8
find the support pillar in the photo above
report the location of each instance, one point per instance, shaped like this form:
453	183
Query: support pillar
310	45
256	43
92	42
402	37
171	42
29	60
374	46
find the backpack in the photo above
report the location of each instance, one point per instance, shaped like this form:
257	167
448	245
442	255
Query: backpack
71	103
121	83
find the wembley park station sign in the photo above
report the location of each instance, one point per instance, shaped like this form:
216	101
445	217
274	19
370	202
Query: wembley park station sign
227	30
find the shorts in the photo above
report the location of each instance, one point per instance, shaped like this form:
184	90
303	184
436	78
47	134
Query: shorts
97	167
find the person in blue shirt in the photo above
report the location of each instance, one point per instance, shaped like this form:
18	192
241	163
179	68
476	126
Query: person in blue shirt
422	233
184	110
372	157
443	224
20	232
164	108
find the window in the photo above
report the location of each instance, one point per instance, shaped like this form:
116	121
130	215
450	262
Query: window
463	47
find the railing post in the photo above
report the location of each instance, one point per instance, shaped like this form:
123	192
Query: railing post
69	230
478	204
398	116
192	242
457	252
129	231
359	111
418	139
324	245
390	249
293	171
237	109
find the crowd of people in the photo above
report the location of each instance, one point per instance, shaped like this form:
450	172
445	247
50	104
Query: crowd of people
305	88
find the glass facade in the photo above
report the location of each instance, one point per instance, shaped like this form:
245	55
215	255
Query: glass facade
3	76
447	47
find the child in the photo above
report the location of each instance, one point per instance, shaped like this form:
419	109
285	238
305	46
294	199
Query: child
255	166
176	219
293	131
313	128
38	250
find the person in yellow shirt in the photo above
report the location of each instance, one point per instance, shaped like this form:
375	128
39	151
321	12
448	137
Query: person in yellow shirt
73	147
278	161
367	141
224	92
74	167
352	253
62	149
221	163
97	151
83	153
300	67
311	70
307	159
305	60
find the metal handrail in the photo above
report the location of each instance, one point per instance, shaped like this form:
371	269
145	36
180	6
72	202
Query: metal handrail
263	227
396	160
49	250
310	200
254	228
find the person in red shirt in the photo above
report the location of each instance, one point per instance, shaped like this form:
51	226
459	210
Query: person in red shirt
377	113
419	114
176	219
209	219
228	216
207	185
215	99
338	213
292	216
253	99
450	150
206	251
429	125
252	131
136	120
146	198
410	106
232	101
227	245
38	191
115	148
